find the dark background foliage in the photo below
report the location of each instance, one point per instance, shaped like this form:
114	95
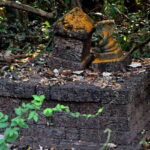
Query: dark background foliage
23	32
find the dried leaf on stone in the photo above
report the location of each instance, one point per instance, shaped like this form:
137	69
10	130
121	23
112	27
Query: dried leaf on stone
78	72
66	73
135	64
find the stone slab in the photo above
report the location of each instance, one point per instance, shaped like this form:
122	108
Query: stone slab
70	53
17	90
81	92
136	86
57	63
68	49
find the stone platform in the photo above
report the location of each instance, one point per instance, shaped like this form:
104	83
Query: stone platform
126	113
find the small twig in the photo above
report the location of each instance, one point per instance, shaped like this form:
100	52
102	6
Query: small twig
96	8
121	13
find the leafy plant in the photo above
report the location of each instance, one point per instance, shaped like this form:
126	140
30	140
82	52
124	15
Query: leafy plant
23	113
48	112
29	111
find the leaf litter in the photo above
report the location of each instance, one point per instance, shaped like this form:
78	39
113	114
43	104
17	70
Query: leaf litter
33	71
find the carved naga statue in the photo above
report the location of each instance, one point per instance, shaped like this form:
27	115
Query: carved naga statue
109	55
109	49
72	43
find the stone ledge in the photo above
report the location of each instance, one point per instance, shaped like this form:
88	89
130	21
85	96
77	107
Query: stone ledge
78	91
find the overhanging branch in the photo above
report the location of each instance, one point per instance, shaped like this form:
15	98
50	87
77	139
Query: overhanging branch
27	8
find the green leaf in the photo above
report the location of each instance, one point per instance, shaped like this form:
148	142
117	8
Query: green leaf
29	106
1	115
48	112
65	108
19	122
3	125
35	118
2	141
23	105
38	101
38	98
89	115
37	105
23	125
84	115
18	111
11	134
33	115
143	142
4	146
125	38
57	108
3	118
77	114
143	131
47	23
100	111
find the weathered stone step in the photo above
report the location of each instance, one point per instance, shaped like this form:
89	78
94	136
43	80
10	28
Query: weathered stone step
126	112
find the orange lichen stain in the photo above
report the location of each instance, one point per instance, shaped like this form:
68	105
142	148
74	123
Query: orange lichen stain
113	52
77	21
114	48
104	34
104	57
111	42
98	60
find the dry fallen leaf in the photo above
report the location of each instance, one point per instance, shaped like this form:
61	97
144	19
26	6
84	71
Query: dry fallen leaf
135	64
90	77
78	72
25	79
116	86
50	73
66	73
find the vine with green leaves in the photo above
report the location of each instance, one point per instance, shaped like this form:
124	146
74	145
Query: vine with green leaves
29	111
